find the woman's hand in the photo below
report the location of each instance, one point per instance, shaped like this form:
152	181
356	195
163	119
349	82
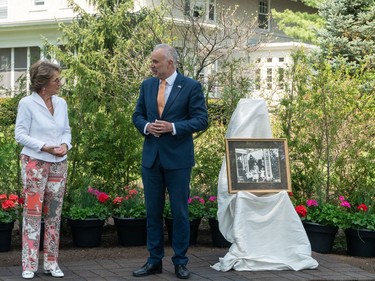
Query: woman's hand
59	151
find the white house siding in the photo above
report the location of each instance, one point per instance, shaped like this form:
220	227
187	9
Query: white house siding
23	31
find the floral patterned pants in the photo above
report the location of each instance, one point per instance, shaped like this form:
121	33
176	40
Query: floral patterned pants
43	189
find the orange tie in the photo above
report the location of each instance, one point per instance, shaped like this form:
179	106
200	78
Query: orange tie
161	98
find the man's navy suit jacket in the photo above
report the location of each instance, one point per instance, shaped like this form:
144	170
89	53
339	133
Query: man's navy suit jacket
185	108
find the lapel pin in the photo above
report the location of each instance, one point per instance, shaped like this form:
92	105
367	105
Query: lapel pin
178	86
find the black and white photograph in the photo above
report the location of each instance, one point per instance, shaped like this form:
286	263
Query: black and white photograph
257	165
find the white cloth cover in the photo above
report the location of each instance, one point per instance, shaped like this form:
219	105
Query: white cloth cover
265	231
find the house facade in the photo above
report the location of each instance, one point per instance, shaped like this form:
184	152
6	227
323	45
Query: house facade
25	24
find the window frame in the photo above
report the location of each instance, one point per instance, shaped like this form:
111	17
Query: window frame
199	9
3	9
264	16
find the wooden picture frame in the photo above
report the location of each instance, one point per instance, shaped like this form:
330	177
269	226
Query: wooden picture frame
257	165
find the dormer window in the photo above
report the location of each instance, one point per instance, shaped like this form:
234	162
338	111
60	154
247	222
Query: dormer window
200	9
3	9
263	14
39	3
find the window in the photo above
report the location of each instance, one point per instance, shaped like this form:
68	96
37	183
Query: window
5	67
280	77
200	9
20	63
257	79
281	59
269	78
14	63
263	14
269	59
38	3
211	10
3	9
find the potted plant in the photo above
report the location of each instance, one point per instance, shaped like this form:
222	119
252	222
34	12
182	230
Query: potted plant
359	225
197	211
218	239
320	221
8	215
129	216
87	212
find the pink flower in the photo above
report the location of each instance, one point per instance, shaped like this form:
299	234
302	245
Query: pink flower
311	202
341	198
93	191
212	198
345	204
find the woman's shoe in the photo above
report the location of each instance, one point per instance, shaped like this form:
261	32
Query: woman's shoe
27	274
57	272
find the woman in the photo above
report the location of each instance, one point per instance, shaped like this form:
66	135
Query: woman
42	127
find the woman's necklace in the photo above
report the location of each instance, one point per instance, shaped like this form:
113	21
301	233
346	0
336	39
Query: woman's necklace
50	108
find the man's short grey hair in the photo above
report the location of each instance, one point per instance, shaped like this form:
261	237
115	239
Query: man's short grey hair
170	52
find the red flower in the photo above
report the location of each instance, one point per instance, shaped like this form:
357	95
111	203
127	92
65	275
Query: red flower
102	197
3	196
7	204
21	201
133	192
13	197
362	208
118	200
301	210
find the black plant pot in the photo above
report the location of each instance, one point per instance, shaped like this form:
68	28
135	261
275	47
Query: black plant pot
6	236
218	239
87	232
321	236
131	231
194	227
360	242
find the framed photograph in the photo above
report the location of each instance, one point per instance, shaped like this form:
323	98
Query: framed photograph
257	165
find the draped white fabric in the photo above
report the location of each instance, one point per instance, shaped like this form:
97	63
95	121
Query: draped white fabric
265	231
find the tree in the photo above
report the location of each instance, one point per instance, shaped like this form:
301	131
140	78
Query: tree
105	58
348	31
300	25
325	116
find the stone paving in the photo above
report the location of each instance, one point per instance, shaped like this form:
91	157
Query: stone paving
200	260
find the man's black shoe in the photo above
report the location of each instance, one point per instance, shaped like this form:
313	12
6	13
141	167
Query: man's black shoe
148	269
181	271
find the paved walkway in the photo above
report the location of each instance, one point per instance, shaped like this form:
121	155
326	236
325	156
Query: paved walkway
200	260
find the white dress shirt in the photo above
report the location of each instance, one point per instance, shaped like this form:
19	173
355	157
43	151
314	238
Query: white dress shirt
36	126
168	88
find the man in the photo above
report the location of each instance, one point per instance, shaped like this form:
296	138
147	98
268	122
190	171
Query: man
170	108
